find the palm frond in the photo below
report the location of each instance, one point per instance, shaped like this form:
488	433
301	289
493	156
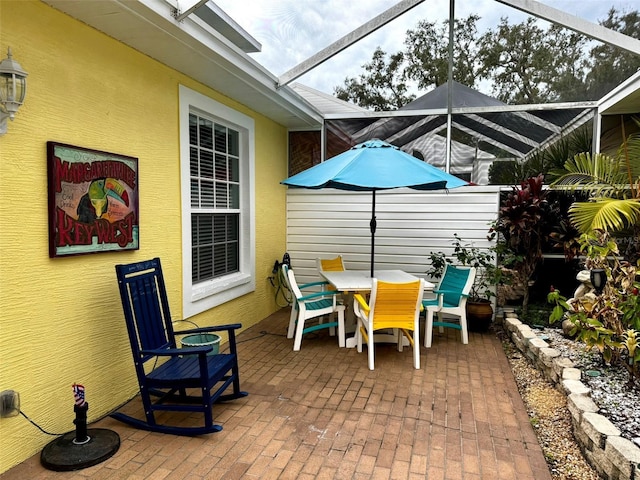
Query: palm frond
605	213
581	140
597	173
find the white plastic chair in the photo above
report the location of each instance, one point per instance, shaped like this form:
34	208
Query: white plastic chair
312	306
452	294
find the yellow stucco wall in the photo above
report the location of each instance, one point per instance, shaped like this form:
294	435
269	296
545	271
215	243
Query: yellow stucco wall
60	319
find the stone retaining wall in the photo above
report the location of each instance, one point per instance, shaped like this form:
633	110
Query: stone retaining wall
613	457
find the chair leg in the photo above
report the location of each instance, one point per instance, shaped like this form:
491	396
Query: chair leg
371	349
440	319
297	342
208	411
292	321
399	338
463	329
341	330
429	329
416	347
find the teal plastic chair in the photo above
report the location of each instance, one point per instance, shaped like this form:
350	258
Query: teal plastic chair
451	299
312	305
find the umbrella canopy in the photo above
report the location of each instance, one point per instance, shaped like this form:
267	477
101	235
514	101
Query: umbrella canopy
371	166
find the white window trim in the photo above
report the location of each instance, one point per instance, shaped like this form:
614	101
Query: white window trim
206	295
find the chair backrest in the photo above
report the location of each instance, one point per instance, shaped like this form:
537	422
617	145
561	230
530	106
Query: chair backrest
146	309
331	264
291	281
395	305
457	281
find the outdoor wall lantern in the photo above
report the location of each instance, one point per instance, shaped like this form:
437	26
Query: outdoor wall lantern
13	87
598	279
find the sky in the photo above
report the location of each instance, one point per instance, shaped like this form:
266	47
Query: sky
291	31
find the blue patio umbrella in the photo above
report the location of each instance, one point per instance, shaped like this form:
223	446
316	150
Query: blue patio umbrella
371	166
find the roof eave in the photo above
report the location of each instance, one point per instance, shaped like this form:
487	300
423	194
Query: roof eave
193	48
625	98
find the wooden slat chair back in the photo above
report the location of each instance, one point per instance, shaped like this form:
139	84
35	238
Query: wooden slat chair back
451	299
165	371
391	305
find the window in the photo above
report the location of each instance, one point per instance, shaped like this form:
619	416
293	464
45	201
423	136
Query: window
217	171
215	202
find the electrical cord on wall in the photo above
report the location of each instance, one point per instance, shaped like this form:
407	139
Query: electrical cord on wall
39	427
283	295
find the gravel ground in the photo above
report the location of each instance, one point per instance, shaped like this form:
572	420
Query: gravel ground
547	408
609	385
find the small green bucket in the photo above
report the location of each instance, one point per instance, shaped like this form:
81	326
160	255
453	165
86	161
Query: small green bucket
201	340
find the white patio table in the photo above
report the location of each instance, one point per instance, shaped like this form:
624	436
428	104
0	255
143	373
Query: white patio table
355	281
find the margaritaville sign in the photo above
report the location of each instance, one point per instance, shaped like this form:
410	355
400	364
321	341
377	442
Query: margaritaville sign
93	201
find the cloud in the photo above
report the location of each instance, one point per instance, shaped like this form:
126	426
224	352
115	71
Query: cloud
291	31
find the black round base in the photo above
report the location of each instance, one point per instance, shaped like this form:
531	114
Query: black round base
63	455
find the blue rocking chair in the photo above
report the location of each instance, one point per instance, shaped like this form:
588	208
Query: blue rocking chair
165	371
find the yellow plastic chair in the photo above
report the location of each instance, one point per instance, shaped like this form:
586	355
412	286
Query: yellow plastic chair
452	294
331	264
334	265
312	306
391	305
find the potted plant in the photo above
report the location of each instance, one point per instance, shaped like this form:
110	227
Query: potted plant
488	275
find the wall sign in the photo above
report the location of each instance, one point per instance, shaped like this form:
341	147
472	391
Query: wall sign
93	201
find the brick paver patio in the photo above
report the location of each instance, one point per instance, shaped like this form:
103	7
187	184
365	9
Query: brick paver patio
322	414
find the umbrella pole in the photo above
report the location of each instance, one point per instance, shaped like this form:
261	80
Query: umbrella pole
372	227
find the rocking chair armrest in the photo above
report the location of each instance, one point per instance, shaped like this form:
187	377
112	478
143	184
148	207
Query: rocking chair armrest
323	293
215	328
176	352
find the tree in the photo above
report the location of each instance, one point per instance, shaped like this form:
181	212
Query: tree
524	62
611	65
527	64
382	87
510	172
427	53
566	75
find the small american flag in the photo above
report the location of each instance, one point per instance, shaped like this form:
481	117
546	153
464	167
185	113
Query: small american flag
78	395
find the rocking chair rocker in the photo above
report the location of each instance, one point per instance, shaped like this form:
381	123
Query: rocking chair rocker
175	370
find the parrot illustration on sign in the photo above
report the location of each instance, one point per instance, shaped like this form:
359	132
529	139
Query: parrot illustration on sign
95	203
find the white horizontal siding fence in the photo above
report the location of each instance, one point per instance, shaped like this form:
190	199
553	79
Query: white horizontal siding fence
411	224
